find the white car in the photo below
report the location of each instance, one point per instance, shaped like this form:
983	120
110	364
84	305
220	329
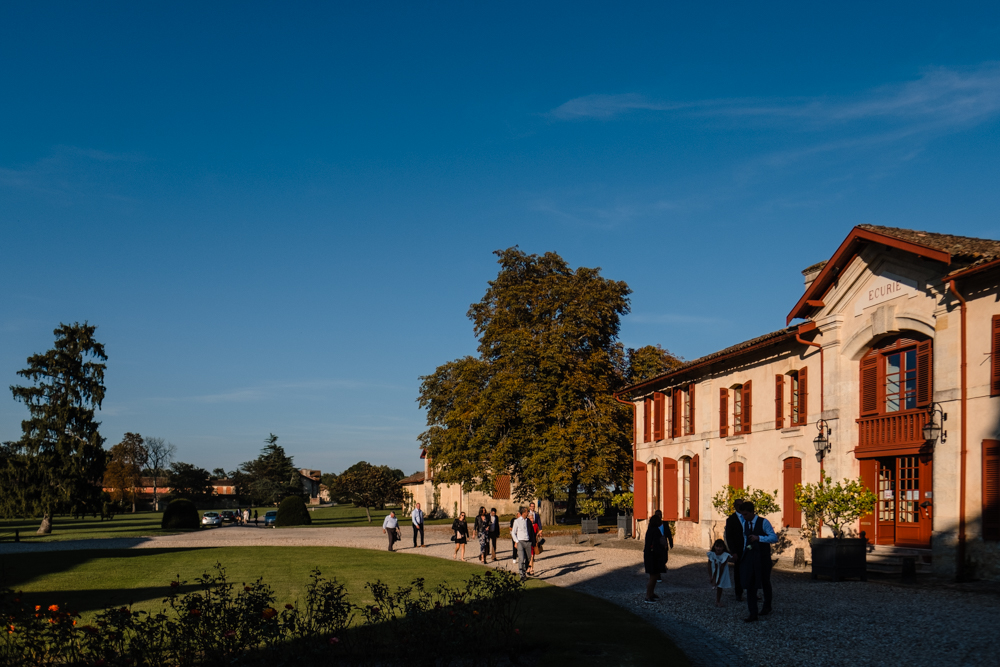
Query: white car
211	519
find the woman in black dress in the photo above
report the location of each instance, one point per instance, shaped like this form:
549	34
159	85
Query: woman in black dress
461	529
654	555
482	533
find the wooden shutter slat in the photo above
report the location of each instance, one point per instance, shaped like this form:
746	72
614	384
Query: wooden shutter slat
723	413
736	475
925	373
869	385
991	489
639	490
747	407
779	401
658	404
691	428
647	405
670	490
803	415
695	476
678	425
869	477
995	358
791	515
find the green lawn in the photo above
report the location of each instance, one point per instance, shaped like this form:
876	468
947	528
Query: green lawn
569	628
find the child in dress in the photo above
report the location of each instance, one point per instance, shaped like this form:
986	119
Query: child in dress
718	570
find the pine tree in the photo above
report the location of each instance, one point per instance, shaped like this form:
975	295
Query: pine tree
58	463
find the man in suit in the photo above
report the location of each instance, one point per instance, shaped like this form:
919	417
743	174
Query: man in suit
755	561
734	541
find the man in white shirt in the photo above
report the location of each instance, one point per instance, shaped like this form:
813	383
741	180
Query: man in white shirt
519	533
389	526
755	561
417	517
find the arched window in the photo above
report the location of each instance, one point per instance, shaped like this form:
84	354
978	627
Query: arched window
897	375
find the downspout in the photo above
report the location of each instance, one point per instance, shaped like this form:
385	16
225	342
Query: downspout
960	567
635	439
822	375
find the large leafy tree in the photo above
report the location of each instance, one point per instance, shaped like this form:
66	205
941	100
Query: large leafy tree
187	480
370	486
124	473
270	477
536	403
58	463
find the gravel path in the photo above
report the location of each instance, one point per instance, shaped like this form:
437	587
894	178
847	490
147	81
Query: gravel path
815	623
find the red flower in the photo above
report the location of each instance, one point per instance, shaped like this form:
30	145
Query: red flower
269	613
516	631
38	607
247	589
54	608
231	633
334	641
289	606
175	584
195	612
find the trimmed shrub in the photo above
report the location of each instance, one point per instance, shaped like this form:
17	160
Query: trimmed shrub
292	512
180	513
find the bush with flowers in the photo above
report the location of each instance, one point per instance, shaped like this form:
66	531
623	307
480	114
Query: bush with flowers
221	623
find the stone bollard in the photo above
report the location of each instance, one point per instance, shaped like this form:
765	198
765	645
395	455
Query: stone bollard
800	558
909	569
621	533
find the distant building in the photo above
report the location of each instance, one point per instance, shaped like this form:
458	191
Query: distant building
450	499
311	485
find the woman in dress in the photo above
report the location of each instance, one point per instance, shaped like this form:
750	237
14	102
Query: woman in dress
461	528
653	556
483	534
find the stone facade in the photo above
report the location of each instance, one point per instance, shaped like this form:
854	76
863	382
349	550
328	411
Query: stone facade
885	295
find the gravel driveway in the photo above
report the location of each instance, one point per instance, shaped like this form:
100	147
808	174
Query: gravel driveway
815	623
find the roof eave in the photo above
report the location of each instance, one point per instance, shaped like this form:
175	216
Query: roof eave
843	256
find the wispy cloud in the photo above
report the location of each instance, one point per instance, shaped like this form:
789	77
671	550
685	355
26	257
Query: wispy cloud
268	391
940	98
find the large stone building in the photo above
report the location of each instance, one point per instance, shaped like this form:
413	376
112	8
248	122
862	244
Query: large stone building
896	329
449	499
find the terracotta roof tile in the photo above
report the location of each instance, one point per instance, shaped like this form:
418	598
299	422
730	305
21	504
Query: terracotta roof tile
963	249
416	478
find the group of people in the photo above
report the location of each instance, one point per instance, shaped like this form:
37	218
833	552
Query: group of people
390	527
747	546
243	516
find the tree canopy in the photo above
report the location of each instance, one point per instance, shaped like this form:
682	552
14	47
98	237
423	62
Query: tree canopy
124	472
270	477
187	480
58	463
369	486
537	401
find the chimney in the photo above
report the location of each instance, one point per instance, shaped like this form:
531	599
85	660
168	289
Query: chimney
811	272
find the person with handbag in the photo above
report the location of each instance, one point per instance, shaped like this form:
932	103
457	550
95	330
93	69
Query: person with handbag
389	526
461	529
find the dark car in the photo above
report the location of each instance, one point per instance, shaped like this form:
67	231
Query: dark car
228	516
270	518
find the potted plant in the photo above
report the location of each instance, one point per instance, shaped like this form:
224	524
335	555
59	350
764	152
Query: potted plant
623	502
836	505
764	503
592	509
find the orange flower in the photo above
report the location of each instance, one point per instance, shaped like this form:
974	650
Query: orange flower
54	608
269	613
175	584
289	606
38	607
475	613
10	629
195	612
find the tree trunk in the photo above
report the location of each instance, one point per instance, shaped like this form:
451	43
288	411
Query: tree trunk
571	495
547	508
46	527
156	498
368	512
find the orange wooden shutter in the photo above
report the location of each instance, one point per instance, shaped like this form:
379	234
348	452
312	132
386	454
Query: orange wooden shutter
791	513
736	475
677	425
991	489
995	359
694	488
635	423
658	416
747	407
925	373
869	385
501	487
691	428
869	476
647	408
803	397
723	413
670	413
638	490
779	401
669	490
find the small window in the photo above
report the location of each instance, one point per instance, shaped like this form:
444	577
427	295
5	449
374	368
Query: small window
742	414
793	390
686	471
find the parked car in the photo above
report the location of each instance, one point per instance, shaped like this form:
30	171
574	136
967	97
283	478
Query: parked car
228	516
211	519
270	518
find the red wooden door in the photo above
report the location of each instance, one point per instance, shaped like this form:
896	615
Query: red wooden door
913	522
791	515
639	490
886	508
670	490
869	472
736	475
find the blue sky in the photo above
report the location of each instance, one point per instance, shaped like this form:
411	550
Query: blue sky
278	216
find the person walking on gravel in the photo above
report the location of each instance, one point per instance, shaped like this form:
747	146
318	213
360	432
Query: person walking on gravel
389	526
461	529
654	555
755	561
417	517
494	531
520	532
483	534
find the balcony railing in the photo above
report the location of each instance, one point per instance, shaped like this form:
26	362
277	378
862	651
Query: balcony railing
895	428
